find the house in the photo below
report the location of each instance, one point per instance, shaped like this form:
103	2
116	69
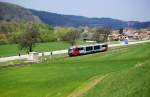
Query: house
129	32
141	35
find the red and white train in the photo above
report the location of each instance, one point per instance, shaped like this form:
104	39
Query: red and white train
87	49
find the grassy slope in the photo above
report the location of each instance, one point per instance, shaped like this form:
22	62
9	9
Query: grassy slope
60	78
134	82
12	49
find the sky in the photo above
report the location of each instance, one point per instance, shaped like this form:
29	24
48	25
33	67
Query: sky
128	10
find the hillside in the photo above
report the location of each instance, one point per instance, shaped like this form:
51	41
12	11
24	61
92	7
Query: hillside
71	20
76	21
12	12
123	73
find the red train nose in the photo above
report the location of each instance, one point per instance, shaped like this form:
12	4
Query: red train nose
75	52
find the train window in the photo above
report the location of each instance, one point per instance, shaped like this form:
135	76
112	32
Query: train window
80	48
96	47
89	48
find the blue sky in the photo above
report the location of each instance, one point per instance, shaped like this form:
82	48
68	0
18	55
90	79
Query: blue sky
129	10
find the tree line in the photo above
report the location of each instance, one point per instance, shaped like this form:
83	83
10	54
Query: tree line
27	34
10	31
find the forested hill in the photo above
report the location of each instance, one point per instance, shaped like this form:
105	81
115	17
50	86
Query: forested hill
76	21
12	12
72	20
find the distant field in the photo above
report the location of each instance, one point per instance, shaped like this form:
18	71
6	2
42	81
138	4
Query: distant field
12	49
115	74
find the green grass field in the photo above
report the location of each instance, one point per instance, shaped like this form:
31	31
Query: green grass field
113	74
12	49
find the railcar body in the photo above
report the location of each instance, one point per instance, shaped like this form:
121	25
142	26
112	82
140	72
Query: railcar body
87	49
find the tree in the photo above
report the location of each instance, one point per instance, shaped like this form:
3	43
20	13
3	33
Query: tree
3	39
69	35
121	31
101	34
28	39
46	33
14	37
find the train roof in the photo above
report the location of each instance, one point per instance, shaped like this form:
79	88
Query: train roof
88	45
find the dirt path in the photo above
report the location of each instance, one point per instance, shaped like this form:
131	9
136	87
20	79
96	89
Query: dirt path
85	87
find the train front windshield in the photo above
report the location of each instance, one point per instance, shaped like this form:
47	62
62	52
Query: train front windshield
69	50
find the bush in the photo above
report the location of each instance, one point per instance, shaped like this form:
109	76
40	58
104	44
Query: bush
3	39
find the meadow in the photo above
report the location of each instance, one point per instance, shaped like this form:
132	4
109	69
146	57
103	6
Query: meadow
12	49
123	73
